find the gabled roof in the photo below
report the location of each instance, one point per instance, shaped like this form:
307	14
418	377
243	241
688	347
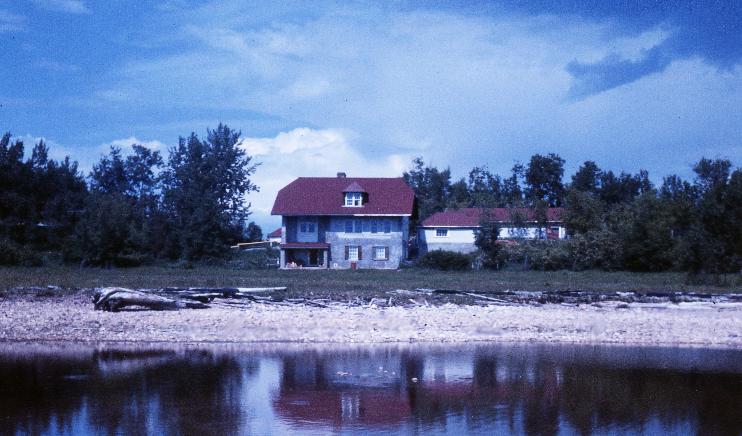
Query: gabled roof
354	187
471	216
324	196
275	234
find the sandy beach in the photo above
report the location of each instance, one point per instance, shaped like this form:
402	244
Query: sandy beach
72	318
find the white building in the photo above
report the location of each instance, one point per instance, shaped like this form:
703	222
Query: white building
454	230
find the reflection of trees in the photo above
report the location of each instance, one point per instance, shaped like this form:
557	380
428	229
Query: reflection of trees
199	392
121	392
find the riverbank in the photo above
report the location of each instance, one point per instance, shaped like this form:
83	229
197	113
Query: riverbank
339	284
70	317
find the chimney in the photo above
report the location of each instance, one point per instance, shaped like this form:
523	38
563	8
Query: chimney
341	175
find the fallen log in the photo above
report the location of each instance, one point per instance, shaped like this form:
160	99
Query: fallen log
114	299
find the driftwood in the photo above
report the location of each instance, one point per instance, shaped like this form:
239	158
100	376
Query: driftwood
113	299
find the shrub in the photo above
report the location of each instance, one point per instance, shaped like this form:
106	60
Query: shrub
15	254
255	259
445	260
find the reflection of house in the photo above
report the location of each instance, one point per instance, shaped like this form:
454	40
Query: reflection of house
344	222
274	237
455	229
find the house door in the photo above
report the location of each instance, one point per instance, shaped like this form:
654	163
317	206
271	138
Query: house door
313	257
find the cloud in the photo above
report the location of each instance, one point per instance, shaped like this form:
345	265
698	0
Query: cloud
305	152
10	22
66	6
613	71
58	67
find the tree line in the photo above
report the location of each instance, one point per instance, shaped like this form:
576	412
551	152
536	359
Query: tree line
132	208
615	221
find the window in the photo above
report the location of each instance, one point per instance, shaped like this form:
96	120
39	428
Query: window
353	199
381	253
358	226
353	252
374	226
387	226
306	227
441	232
349	226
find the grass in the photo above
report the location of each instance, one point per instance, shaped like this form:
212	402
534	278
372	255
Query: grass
345	281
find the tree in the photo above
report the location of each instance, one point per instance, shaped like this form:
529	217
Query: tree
587	178
253	232
431	187
485	189
458	195
583	212
486	240
205	185
512	192
544	179
648	243
623	188
711	173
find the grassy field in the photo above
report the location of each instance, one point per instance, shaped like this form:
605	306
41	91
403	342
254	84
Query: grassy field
354	282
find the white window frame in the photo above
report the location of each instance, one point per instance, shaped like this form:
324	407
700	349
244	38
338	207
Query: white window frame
387	226
441	233
383	250
353	199
304	227
353	253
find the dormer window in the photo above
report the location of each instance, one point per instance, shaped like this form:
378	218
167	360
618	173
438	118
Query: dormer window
354	199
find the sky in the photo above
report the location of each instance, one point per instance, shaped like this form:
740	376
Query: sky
364	87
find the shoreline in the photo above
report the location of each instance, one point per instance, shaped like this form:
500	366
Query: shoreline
71	318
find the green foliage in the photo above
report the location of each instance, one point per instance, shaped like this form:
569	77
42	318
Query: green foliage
253	233
431	187
255	259
486	241
584	212
544	179
445	260
15	254
205	185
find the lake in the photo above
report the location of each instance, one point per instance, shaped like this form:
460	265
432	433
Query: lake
412	389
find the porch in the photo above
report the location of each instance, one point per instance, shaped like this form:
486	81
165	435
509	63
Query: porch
304	255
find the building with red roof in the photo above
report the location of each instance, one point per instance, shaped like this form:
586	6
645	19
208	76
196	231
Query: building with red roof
344	222
274	237
455	230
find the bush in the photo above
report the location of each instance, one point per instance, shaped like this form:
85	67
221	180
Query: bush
255	259
15	254
445	260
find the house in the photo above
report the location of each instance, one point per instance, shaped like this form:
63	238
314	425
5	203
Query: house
344	222
274	237
455	230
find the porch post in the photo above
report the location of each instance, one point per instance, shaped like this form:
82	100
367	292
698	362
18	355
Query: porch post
283	259
324	257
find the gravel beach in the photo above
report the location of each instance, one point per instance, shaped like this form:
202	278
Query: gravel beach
72	318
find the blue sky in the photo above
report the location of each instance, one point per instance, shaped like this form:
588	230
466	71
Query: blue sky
364	87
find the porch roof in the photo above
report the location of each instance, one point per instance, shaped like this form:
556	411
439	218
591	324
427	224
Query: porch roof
306	245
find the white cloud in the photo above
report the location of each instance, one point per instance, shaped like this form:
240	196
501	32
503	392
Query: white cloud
10	22
458	89
67	6
305	152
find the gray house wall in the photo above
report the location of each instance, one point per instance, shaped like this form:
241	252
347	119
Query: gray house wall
331	229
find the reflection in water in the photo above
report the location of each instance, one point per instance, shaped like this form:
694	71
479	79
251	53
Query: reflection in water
535	390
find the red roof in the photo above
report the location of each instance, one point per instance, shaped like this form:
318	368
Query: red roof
471	216
324	196
275	234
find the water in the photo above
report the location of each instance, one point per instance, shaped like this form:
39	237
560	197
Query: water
487	389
